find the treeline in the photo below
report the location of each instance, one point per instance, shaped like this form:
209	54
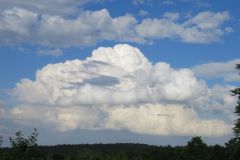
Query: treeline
25	148
196	149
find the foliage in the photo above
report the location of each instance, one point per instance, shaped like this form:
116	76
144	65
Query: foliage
196	149
23	148
236	92
218	152
233	149
233	146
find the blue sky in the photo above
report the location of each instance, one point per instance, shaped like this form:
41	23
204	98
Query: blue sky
186	49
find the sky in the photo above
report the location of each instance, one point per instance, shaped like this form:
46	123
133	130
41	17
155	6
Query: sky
108	71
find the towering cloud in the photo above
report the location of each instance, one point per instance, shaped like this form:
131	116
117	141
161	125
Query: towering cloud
118	88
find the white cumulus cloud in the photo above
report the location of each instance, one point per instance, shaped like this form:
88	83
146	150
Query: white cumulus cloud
205	27
53	7
118	88
20	25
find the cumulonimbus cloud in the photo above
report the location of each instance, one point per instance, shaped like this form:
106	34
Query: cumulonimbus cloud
119	88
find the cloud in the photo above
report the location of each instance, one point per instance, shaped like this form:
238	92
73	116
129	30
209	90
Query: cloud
115	88
168	2
172	16
18	26
204	4
209	20
164	120
143	13
131	77
63	118
205	27
53	7
53	52
224	70
2	110
2	115
142	2
221	100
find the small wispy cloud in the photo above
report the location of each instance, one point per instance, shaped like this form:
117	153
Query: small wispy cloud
143	13
49	52
143	2
168	2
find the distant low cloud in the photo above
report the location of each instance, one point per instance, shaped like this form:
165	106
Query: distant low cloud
119	88
225	70
18	26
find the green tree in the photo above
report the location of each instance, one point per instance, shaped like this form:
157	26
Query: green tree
233	146
218	152
233	149
24	148
197	150
236	92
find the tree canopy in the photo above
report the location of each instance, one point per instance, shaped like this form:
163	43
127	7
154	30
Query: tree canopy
236	92
23	148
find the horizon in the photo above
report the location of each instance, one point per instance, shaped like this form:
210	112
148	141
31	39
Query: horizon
108	71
